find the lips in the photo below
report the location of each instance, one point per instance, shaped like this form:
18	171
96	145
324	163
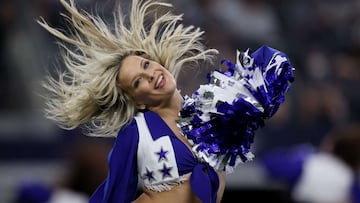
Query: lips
160	82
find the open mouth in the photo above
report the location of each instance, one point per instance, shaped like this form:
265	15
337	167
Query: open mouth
160	82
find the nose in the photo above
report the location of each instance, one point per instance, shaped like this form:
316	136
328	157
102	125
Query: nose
151	76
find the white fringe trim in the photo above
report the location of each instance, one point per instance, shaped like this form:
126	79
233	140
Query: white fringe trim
168	185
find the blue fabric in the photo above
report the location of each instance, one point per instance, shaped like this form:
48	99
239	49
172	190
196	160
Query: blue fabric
355	190
204	180
184	157
287	164
33	192
121	183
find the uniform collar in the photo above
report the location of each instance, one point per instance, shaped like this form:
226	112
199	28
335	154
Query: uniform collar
157	125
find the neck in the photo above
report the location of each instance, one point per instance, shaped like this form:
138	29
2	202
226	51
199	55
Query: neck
172	108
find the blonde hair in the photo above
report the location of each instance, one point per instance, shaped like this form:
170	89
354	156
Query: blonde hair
88	93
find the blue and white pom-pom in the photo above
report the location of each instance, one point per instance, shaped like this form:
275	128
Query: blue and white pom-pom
220	119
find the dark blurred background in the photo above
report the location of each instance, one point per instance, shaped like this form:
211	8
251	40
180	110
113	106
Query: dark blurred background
321	37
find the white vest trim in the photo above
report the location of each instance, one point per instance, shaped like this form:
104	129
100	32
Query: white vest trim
156	160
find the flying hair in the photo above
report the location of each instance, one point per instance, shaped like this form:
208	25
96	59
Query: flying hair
87	93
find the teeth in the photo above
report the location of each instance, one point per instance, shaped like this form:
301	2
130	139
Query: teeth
159	81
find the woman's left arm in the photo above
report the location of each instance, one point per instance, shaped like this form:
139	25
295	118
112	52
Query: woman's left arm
222	182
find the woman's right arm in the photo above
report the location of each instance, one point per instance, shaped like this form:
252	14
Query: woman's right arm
120	185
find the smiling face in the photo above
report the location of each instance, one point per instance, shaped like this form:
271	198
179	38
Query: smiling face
146	81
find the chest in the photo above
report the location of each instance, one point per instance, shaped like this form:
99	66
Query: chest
163	155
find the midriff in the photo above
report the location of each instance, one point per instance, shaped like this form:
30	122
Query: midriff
179	194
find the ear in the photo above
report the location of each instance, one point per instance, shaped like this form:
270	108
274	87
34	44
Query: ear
141	106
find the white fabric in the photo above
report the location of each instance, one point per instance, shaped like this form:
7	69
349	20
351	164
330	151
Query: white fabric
324	179
148	159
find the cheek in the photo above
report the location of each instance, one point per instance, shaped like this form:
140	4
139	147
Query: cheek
171	78
141	94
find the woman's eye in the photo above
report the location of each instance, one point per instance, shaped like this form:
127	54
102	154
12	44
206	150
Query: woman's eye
137	82
146	64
